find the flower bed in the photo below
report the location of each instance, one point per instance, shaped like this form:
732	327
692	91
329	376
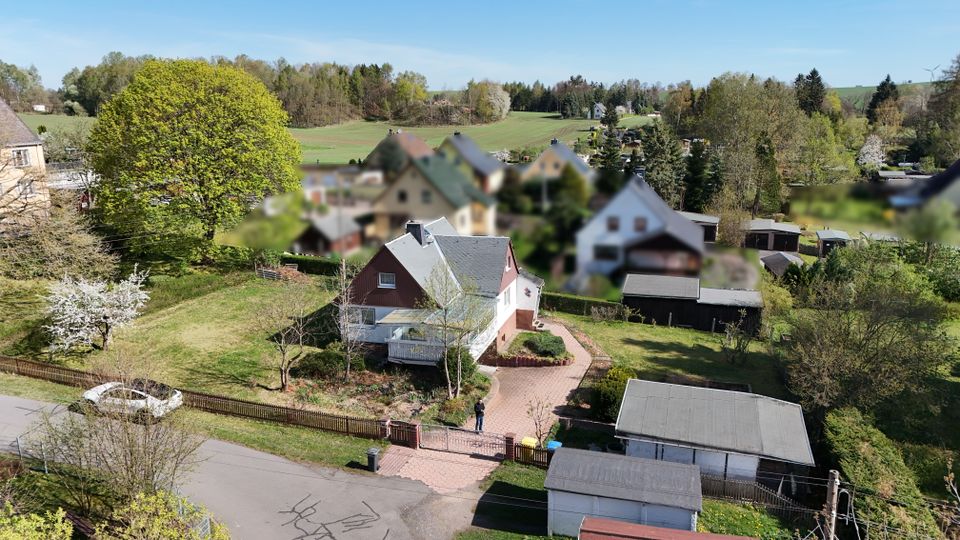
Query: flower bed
523	352
524	360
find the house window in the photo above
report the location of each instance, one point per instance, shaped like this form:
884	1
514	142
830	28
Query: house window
640	224
613	223
506	297
463	220
606	253
364	315
556	165
387	280
426	196
21	157
401	196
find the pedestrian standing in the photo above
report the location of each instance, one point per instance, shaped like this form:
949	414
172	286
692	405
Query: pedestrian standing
478	410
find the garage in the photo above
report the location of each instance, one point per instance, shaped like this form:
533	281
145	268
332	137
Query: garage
582	483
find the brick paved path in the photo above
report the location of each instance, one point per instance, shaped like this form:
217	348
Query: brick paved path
446	472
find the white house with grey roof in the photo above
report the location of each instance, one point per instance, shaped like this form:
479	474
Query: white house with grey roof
24	195
726	433
432	283
583	483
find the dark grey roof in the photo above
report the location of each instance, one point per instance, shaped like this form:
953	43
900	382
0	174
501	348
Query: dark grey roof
701	218
571	157
334	226
730	297
674	224
719	419
627	478
834	235
657	286
13	132
779	262
476	261
481	161
537	280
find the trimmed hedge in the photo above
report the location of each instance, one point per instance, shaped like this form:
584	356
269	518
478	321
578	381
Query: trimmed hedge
571	303
546	344
321	266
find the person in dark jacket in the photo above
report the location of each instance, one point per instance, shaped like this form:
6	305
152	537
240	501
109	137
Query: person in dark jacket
478	410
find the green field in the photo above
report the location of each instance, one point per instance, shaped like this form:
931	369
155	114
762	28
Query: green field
860	95
354	140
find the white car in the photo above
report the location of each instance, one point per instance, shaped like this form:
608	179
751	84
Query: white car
141	398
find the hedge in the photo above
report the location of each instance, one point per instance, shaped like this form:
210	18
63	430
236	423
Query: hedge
875	465
571	303
312	265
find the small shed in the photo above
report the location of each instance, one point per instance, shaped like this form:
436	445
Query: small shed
829	239
582	483
681	301
771	235
708	223
778	263
594	528
329	233
725	433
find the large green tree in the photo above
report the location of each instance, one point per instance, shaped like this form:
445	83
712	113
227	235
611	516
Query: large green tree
810	91
187	147
610	164
886	91
664	163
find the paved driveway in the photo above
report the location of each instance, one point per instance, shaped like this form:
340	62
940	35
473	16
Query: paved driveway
262	496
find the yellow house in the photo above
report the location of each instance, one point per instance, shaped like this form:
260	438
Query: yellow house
485	170
430	187
23	186
550	163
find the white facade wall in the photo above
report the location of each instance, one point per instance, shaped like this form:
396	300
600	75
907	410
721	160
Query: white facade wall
566	510
529	302
626	205
506	303
712	462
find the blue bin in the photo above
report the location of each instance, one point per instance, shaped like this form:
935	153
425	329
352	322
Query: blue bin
553	445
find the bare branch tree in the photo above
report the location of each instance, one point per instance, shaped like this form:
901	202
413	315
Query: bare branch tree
540	411
289	319
347	316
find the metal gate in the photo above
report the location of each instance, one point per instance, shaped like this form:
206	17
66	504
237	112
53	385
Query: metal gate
462	441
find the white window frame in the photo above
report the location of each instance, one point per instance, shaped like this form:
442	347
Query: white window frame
21	157
358	315
381	284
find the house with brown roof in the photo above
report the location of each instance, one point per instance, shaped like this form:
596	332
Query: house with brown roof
23	186
485	170
394	152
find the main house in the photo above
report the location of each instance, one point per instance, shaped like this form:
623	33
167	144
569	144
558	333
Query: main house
433	284
550	163
727	434
637	232
23	186
427	188
485	170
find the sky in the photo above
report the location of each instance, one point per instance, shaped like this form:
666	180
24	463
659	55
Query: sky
850	42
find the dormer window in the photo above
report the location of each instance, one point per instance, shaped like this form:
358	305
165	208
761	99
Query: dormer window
613	223
387	280
640	224
401	196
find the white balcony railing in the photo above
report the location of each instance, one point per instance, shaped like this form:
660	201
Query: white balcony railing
414	351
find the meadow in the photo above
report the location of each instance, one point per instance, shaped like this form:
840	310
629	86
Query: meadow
354	140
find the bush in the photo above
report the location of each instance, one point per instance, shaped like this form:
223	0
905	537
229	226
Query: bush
874	464
545	344
468	366
608	393
327	363
312	265
570	303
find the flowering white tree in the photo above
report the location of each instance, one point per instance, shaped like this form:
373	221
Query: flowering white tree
871	153
81	309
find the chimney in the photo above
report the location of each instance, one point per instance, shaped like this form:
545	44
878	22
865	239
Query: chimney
554	141
415	227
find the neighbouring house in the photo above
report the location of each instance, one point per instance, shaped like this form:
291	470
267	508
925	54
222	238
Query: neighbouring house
485	170
24	195
778	263
598	110
333	232
943	185
681	301
431	187
637	232
394	153
397	304
40	108
707	222
727	434
829	239
771	235
583	483
595	528
550	163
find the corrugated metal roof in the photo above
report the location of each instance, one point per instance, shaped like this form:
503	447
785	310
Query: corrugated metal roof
628	478
13	132
481	161
730	297
833	234
757	225
718	419
657	286
701	218
594	528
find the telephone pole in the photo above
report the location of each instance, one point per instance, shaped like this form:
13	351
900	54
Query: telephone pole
830	507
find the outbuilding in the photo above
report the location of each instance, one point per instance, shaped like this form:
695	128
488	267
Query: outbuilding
778	263
771	235
707	222
727	434
594	528
829	239
582	483
328	233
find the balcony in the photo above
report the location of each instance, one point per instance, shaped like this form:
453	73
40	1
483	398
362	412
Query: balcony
406	351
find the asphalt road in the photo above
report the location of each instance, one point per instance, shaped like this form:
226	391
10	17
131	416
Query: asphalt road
259	496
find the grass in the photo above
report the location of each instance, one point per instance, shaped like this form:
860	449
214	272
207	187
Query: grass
354	140
21	309
296	443
659	352
741	519
514	520
55	121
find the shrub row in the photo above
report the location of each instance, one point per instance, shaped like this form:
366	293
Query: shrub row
545	344
571	303
312	265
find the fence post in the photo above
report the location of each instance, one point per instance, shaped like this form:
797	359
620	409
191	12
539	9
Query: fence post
510	448
43	454
385	427
415	440
20	449
713	323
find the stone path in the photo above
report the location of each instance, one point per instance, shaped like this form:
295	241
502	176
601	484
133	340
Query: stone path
506	413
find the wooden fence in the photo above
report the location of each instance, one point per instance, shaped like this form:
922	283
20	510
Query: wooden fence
716	487
532	456
403	433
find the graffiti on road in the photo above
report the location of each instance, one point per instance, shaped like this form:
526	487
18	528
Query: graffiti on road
305	519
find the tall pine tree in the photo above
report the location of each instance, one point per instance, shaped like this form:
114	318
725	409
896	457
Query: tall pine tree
665	167
611	168
697	192
810	91
887	89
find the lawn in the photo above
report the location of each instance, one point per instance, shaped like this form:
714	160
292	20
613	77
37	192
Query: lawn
513	505
354	140
659	352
